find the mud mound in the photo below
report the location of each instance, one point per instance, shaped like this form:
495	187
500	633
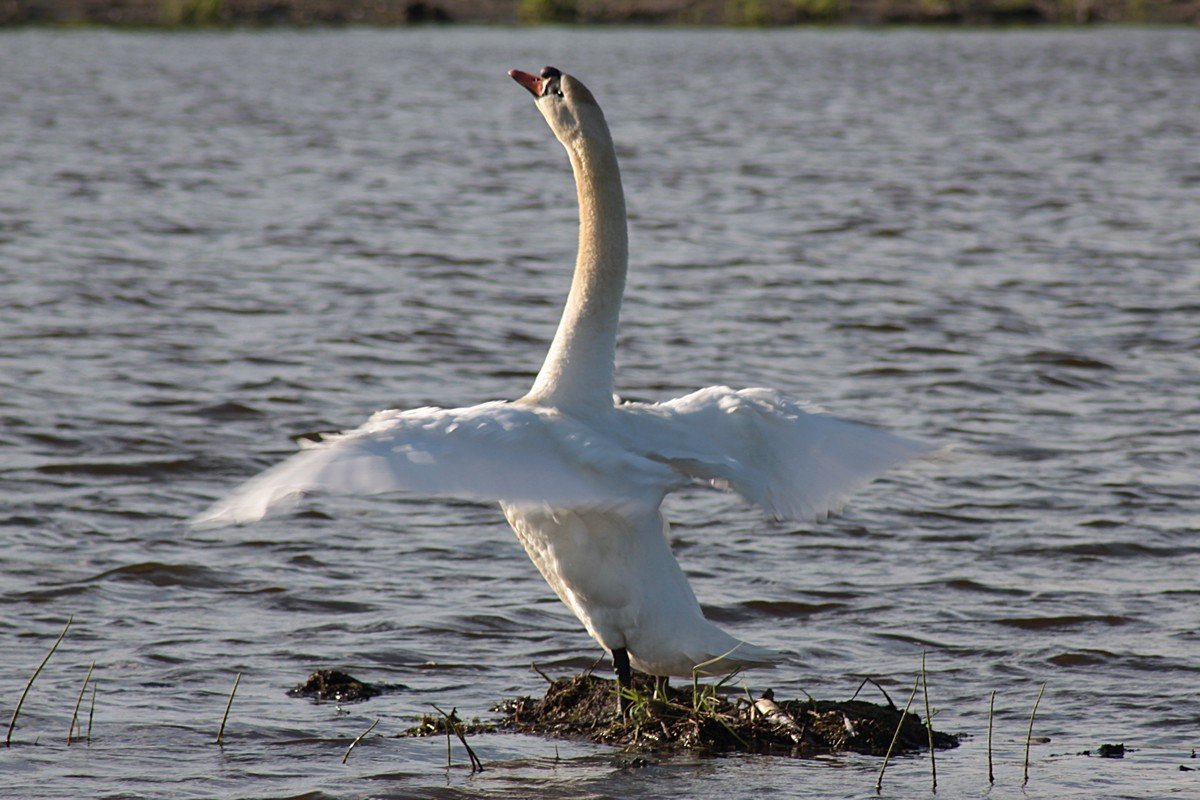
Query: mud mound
677	719
335	686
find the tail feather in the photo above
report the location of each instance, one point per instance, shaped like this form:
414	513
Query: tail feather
742	655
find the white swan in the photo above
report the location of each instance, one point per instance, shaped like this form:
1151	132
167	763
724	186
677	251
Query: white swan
581	478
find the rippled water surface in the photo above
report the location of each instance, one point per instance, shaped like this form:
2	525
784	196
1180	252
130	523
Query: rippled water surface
213	244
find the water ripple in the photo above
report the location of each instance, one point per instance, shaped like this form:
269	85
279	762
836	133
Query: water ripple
212	245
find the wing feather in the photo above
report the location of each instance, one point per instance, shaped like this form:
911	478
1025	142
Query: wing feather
788	459
518	453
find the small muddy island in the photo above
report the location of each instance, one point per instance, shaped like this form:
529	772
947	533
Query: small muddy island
702	719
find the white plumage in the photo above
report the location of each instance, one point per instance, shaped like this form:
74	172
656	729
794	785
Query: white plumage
581	478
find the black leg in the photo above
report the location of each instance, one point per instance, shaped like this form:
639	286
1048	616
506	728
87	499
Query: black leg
624	678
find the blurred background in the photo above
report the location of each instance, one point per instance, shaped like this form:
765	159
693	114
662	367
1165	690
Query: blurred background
686	12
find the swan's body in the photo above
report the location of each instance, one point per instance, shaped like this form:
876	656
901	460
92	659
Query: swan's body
581	478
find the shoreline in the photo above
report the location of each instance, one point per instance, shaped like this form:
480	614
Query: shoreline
185	14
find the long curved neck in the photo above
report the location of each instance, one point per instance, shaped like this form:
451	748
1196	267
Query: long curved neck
578	371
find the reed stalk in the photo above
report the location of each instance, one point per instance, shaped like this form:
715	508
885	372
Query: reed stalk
79	702
539	671
896	736
928	723
91	713
871	681
360	737
476	764
1029	735
991	715
703	665
229	705
13	722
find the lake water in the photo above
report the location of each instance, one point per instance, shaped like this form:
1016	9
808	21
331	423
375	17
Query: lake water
211	244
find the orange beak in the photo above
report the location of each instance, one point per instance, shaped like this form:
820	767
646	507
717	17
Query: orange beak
534	84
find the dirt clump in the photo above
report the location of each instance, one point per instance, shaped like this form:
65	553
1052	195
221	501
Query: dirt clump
335	686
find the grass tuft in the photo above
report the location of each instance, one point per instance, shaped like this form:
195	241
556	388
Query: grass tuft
13	722
78	702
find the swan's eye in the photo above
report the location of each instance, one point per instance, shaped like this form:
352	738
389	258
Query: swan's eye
553	77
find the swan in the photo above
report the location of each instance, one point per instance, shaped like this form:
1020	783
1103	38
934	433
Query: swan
580	475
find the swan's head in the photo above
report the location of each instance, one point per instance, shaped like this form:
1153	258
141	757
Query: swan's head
564	101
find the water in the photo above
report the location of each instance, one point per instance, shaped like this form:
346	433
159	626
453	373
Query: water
211	244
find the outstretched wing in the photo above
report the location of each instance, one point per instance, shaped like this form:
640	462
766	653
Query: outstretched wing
792	462
495	451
